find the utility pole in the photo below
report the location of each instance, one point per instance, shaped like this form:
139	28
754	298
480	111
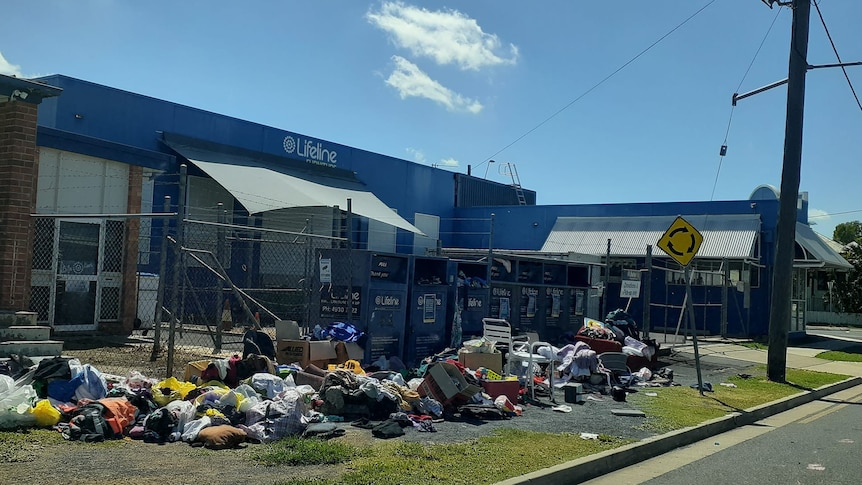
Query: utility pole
782	275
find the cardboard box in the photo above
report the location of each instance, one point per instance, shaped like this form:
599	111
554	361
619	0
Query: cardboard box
510	389
318	352
474	360
345	351
444	382
195	369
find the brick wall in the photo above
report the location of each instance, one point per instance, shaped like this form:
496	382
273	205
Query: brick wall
128	309
19	169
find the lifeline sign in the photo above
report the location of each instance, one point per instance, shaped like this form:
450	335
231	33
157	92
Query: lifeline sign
681	241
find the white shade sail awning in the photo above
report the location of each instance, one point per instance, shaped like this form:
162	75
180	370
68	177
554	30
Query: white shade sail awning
261	189
730	236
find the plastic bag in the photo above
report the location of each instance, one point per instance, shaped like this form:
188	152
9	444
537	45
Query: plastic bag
481	345
94	385
643	374
15	404
170	390
45	414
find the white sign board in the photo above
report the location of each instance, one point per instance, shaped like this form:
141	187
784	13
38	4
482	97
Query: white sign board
325	270
630	289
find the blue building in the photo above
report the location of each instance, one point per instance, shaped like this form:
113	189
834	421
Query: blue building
110	154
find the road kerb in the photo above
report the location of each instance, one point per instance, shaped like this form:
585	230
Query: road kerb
589	467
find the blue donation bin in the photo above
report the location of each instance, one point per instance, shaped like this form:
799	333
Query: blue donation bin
472	294
426	328
385	304
531	305
368	290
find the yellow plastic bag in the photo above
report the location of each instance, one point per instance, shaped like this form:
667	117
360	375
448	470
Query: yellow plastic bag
170	390
46	415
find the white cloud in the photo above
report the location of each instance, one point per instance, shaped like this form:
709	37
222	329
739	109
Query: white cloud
417	155
447	36
449	162
409	80
8	68
817	217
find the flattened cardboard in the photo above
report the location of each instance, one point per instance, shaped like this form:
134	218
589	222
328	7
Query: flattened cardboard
451	383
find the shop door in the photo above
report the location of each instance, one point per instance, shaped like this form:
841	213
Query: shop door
77	256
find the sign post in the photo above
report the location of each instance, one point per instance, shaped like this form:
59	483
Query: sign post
630	286
681	241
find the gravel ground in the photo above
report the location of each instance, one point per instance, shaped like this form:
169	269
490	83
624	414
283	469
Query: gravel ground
136	462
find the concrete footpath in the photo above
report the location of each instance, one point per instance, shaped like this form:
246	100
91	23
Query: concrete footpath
798	357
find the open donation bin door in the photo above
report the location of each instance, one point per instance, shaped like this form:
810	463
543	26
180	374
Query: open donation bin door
472	292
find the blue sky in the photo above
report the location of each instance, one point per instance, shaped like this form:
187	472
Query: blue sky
458	83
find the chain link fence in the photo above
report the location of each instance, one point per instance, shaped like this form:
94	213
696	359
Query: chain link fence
92	276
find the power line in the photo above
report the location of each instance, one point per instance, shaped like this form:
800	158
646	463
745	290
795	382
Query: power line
606	78
835	50
835	214
733	105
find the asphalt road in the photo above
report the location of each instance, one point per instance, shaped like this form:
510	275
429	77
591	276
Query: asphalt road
849	334
818	443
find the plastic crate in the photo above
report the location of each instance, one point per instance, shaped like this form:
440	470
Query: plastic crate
509	388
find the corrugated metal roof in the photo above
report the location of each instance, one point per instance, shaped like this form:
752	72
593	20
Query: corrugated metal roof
724	236
817	250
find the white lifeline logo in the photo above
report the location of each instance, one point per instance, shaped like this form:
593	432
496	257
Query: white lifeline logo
311	151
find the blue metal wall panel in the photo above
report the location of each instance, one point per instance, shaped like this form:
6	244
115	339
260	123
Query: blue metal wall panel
133	119
527	227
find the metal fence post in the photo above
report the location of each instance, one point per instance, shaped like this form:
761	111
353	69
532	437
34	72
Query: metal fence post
490	250
349	234
309	271
220	257
607	282
725	280
178	266
160	298
647	291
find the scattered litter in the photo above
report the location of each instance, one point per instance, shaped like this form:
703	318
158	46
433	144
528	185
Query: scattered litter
816	466
628	412
727	384
846	441
744	376
589	436
562	408
594	398
717	443
707	387
651	394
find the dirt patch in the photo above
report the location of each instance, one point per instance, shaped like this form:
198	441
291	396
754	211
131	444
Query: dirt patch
135	462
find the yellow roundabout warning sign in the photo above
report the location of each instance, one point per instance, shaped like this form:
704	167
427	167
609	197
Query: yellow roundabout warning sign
681	241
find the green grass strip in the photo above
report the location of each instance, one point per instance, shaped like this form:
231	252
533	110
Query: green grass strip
840	356
679	407
505	454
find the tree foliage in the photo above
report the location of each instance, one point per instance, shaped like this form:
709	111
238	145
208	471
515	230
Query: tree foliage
849	289
847	232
